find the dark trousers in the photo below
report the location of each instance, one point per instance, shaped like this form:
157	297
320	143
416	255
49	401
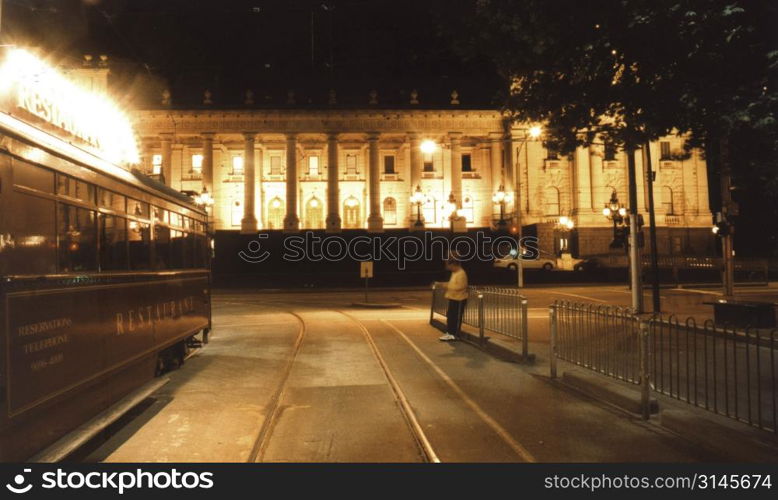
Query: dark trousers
456	310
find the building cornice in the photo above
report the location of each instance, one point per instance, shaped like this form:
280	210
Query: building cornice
268	121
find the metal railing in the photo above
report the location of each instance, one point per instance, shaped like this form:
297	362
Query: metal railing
730	372
496	309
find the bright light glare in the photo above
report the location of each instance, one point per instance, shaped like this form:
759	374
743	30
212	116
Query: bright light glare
535	131
606	212
428	146
92	117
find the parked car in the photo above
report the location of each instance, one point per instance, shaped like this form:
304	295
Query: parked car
586	264
534	262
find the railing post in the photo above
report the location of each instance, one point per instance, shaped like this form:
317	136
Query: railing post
481	336
553	347
645	388
524	334
432	302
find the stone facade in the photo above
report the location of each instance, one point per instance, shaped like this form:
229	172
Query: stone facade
338	169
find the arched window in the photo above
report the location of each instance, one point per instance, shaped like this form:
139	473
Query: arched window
390	211
430	209
275	213
314	214
668	201
552	201
352	218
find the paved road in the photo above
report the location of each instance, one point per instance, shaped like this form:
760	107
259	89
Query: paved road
305	377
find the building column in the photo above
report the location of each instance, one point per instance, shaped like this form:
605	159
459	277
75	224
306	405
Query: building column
207	170
582	188
455	140
416	160
375	223
495	159
291	220
166	140
416	219
600	193
249	222
333	188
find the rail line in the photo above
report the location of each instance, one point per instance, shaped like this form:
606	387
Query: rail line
416	429
260	445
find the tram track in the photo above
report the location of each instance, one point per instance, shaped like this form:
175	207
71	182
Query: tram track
265	435
424	444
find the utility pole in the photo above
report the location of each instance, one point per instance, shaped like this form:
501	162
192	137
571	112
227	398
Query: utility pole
728	210
652	228
634	250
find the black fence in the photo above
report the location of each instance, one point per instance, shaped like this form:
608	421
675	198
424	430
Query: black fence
727	371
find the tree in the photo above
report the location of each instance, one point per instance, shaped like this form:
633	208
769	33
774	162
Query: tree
630	71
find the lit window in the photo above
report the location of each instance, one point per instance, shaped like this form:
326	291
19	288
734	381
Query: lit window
197	163
389	164
313	166
664	150
429	166
467	163
156	164
237	165
275	165
390	211
351	164
610	152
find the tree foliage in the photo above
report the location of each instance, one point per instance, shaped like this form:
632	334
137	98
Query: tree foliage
632	70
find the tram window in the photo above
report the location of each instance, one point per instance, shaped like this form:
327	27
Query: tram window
178	249
74	188
139	236
137	208
175	219
162	247
114	201
113	243
77	239
160	214
199	251
189	250
29	247
32	176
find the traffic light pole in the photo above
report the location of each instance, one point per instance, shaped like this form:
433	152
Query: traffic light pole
727	209
634	249
656	301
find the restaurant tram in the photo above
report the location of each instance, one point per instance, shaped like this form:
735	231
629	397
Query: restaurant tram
104	272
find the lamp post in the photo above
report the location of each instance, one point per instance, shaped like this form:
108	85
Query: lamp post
417	199
501	198
531	133
615	212
451	210
565	225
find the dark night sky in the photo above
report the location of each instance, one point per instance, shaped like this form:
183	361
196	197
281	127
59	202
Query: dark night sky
266	45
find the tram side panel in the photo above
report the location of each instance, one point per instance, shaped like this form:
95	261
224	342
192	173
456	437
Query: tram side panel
92	344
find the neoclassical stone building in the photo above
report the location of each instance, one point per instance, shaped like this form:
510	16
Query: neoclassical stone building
338	169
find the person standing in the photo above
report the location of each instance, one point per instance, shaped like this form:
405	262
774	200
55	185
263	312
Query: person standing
456	294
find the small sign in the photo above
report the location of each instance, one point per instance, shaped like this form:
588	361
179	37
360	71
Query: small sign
366	269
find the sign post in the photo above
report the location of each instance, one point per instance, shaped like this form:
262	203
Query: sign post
366	271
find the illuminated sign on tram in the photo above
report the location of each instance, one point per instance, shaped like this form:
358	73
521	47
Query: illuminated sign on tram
30	84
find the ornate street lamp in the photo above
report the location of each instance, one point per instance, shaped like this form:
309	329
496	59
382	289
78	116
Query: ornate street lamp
417	199
615	212
565	225
501	198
